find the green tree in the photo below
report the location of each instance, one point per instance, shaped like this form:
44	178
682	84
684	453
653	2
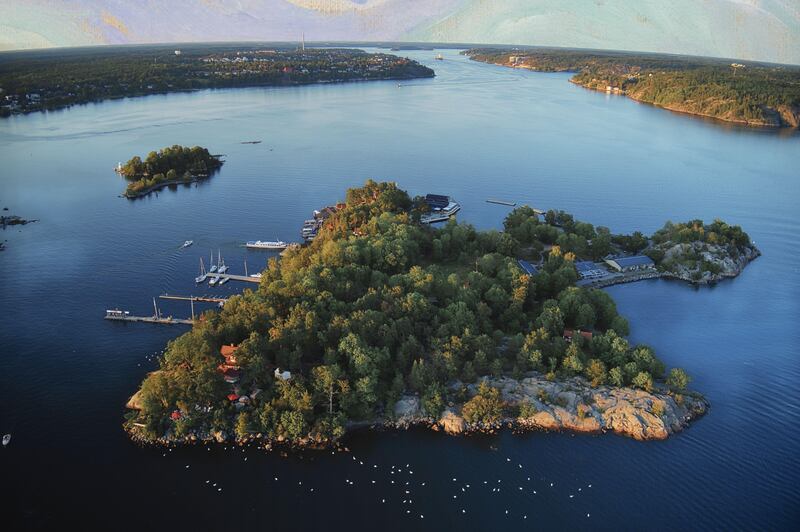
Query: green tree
485	407
678	379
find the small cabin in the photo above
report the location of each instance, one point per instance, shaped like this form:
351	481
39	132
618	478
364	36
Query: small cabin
282	375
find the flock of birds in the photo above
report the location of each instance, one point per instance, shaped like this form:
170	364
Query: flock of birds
405	485
399	486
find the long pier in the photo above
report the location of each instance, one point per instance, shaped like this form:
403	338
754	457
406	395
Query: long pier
169	320
206	299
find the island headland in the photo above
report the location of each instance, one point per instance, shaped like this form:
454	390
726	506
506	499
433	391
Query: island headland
381	321
748	93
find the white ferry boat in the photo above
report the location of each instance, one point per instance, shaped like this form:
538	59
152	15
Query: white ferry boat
267	244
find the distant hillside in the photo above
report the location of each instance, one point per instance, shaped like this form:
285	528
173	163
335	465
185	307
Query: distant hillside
754	94
762	30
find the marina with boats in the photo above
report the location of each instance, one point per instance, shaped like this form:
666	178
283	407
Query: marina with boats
217	273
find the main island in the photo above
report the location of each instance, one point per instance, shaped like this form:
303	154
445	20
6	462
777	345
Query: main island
385	322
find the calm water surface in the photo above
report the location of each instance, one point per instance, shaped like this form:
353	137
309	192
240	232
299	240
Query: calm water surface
475	131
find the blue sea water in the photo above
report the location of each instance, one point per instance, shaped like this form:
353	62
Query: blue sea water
475	131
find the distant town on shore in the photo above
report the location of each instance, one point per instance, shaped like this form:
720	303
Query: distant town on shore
54	79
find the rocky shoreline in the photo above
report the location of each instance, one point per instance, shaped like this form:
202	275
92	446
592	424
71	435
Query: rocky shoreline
149	190
728	264
569	405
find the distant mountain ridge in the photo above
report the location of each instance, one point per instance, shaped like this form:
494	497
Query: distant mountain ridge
761	30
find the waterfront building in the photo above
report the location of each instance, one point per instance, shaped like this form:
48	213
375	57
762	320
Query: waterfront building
589	270
629	264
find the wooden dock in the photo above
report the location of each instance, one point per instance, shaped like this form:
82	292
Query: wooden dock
245	278
232	277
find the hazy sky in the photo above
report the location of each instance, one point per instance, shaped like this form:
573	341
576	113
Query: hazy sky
767	30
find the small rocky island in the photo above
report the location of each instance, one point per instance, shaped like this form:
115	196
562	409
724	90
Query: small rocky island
170	166
702	253
382	321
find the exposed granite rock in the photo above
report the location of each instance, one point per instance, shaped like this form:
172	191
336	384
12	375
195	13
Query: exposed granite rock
135	402
728	261
452	422
572	404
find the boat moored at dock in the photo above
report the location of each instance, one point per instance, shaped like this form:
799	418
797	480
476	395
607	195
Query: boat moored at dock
266	244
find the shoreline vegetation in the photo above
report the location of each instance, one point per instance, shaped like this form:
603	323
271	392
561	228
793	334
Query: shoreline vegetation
748	93
170	166
384	322
55	79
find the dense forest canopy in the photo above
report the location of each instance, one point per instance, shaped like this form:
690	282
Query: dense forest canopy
379	305
753	93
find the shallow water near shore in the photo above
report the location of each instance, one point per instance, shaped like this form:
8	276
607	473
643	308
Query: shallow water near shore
475	131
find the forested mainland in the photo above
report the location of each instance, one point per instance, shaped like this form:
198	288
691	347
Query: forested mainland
39	80
755	94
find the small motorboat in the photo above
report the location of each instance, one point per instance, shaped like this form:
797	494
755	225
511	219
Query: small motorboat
188	243
6	439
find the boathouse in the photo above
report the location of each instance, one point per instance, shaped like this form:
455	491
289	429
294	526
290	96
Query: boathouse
589	270
436	201
629	264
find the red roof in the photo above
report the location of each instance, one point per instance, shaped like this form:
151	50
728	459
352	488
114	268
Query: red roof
586	334
568	333
228	350
176	414
232	397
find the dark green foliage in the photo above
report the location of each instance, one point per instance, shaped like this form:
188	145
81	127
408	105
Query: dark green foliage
166	165
378	305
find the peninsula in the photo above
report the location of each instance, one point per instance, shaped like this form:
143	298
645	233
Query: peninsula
169	166
53	79
383	321
749	93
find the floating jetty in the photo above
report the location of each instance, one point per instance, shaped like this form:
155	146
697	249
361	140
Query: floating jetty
231	277
501	202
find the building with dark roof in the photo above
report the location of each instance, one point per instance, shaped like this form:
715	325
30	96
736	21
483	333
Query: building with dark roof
527	267
436	201
627	264
589	270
